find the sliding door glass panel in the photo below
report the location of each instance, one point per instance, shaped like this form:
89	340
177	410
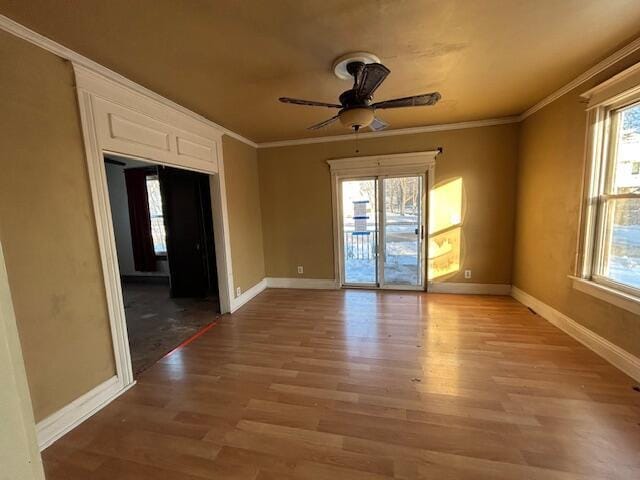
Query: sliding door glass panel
359	228
402	231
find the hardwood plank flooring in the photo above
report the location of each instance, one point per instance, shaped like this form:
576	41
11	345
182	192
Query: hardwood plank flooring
303	384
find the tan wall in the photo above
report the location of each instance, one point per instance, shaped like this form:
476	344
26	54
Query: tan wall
49	234
245	220
48	231
295	193
549	183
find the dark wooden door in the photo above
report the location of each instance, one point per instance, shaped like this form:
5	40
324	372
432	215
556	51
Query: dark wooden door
188	224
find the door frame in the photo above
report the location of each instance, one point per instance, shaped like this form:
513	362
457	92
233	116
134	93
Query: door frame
399	164
127	120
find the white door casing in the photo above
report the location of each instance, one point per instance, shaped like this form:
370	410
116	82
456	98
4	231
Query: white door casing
117	118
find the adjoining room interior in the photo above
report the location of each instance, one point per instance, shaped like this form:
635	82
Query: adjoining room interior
162	224
310	240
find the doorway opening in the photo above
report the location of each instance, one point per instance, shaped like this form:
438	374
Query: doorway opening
382	223
163	228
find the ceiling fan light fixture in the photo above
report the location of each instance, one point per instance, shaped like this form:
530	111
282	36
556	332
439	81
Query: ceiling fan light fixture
356	117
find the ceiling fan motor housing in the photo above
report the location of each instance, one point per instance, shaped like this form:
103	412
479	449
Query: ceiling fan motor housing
349	99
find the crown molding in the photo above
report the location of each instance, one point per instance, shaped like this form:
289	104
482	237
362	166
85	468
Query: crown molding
41	41
391	133
617	90
589	74
35	38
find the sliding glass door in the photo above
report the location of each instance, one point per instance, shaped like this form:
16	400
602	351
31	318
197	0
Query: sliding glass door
382	228
360	232
402	231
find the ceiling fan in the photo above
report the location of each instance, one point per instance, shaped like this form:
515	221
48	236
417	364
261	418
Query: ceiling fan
357	109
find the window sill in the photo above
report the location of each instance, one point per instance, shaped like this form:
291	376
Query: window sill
619	299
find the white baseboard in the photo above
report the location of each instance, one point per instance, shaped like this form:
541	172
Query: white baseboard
237	302
470	288
625	361
57	424
330	284
309	283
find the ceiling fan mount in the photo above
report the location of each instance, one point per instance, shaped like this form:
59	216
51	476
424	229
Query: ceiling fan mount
356	108
340	65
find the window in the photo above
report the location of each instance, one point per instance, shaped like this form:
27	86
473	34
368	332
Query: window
155	213
616	239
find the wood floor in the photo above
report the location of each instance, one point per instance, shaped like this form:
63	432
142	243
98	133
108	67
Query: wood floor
367	385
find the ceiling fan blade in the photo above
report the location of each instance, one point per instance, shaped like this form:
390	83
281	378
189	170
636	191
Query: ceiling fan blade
310	103
413	101
378	125
369	78
323	124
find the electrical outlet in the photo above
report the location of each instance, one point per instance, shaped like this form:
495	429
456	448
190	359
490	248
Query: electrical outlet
300	269
238	291
467	274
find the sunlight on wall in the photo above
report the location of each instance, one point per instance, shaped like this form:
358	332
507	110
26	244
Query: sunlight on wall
445	226
445	206
444	253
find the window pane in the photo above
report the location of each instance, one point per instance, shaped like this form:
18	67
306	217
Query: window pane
155	212
360	234
402	230
626	170
621	262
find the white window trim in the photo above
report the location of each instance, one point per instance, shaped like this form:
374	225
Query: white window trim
620	90
610	295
